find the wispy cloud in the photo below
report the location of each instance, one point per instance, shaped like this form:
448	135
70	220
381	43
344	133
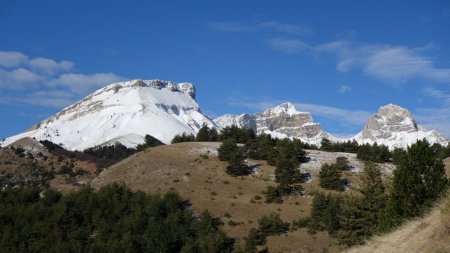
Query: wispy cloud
435	119
437	94
289	46
265	26
392	64
340	116
45	82
438	117
344	89
280	36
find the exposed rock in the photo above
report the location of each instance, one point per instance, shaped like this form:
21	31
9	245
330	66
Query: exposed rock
281	121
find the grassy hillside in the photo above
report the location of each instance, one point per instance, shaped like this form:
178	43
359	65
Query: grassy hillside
423	235
195	172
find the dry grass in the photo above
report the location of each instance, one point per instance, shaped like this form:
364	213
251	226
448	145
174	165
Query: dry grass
200	177
430	234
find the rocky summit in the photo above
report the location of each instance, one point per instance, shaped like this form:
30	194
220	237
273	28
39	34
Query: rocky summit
395	126
282	121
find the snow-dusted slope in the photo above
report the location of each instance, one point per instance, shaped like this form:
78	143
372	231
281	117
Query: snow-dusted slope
123	112
395	126
281	122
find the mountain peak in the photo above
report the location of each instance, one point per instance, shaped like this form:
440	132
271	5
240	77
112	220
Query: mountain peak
124	112
395	126
183	87
282	121
284	108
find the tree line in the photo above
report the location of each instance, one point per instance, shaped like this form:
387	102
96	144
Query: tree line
113	219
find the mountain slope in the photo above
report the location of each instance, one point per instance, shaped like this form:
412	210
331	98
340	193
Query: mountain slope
123	112
281	121
428	234
395	126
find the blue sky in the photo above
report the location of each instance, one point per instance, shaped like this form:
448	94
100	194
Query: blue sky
339	60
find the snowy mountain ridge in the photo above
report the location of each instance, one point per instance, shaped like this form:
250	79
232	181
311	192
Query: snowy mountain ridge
282	121
126	111
123	112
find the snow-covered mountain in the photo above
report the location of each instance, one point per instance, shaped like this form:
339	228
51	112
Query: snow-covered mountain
281	122
395	126
123	112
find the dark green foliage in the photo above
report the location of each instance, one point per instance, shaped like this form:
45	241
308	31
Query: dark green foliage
352	222
114	219
272	225
360	217
374	153
115	152
101	156
255	238
301	223
288	176
273	195
226	150
330	177
207	134
150	142
419	179
397	155
18	150
349	146
342	163
239	135
236	165
325	212
261	148
183	138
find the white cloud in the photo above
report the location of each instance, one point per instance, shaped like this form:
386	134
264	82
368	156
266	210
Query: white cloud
344	89
81	83
18	79
12	59
48	66
45	82
392	64
289	46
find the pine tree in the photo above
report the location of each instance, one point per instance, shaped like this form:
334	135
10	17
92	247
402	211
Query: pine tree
374	198
418	180
203	134
226	149
352	222
330	177
237	166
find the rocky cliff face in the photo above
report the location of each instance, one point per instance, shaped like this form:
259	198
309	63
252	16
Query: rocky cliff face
395	126
283	121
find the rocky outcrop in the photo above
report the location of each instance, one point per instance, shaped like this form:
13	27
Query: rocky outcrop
282	121
395	126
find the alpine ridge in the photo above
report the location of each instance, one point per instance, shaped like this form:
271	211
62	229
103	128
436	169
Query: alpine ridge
123	112
282	121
